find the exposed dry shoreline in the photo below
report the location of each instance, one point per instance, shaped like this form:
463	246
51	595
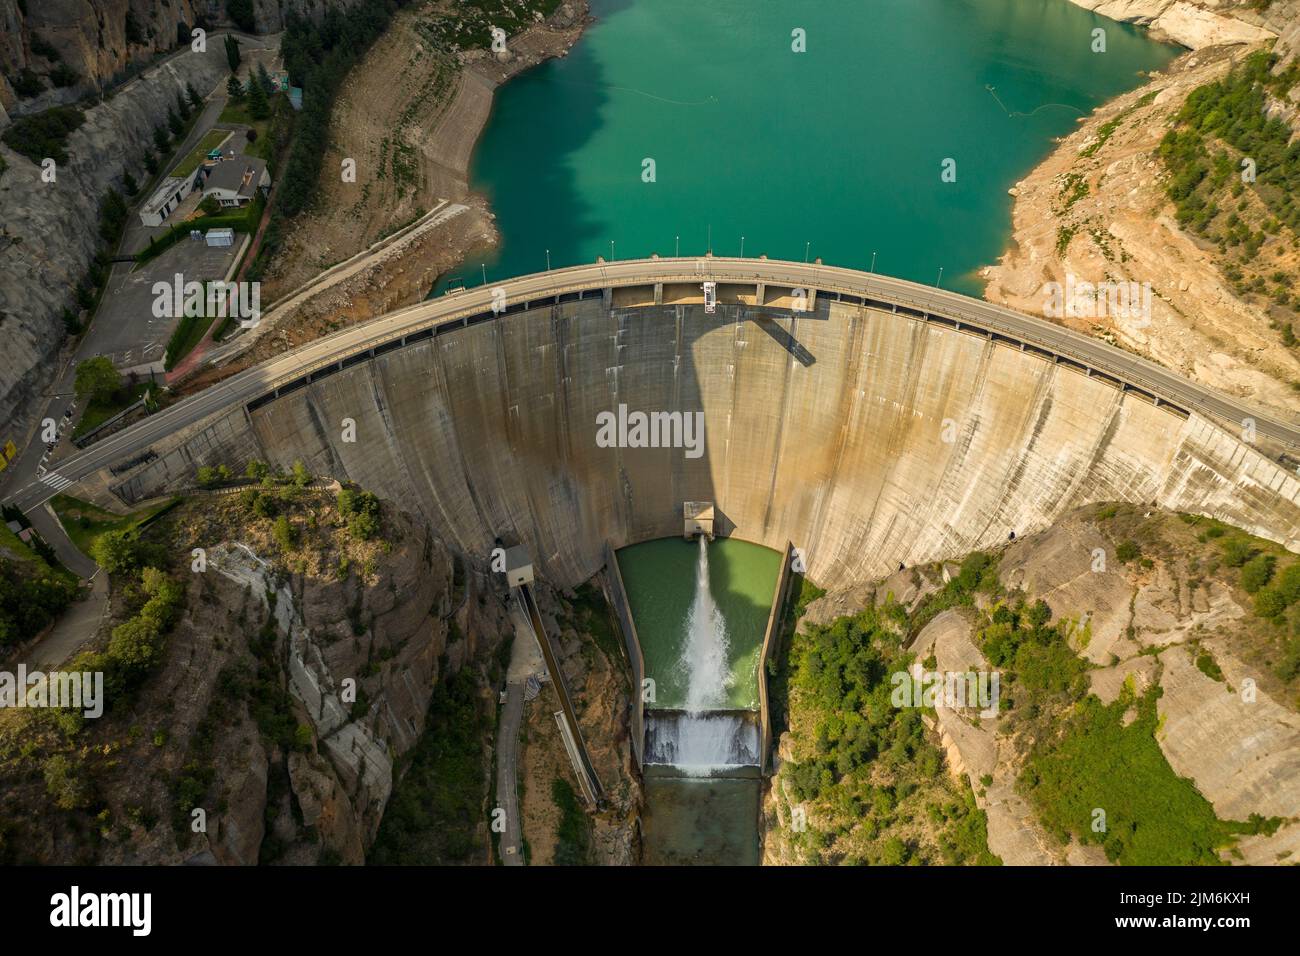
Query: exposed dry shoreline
1096	210
410	115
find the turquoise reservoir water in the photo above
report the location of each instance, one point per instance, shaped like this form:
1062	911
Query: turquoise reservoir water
840	147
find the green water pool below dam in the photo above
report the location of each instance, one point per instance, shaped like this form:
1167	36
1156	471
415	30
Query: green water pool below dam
701	611
660	579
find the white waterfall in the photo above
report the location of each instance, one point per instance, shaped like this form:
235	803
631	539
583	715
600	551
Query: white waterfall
704	655
701	739
700	743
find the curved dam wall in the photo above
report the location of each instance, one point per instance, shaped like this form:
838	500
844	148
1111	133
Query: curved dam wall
865	438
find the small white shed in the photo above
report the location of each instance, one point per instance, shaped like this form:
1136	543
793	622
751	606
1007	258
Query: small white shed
220	237
519	567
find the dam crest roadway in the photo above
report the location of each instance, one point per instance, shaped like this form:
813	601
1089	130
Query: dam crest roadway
874	421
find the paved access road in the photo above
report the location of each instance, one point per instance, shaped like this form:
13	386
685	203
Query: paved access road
324	352
122	332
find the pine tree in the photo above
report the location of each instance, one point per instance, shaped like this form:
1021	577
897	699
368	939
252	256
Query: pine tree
235	89
258	107
232	52
195	100
264	78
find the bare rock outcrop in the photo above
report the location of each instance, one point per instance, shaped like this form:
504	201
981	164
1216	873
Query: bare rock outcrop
103	41
48	231
1192	23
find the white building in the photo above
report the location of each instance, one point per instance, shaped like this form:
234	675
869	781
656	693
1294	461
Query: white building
165	199
519	567
219	237
236	180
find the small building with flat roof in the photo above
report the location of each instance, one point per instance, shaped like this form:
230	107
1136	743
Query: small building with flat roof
698	517
165	199
519	566
219	237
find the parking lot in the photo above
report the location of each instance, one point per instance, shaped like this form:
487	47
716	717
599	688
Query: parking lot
126	329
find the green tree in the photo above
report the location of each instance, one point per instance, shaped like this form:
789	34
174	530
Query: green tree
193	95
1288	583
301	476
361	512
285	536
894	852
160	139
136	644
232	52
1127	551
209	476
1269	602
64	784
258	107
1237	551
97	379
264	78
1256	572
235	89
115	551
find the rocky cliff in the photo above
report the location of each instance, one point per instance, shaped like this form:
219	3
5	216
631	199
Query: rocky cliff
1097	212
1201	23
104	41
1157	635
290	687
48	230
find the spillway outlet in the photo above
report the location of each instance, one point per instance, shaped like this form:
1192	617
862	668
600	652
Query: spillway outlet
697	519
702	744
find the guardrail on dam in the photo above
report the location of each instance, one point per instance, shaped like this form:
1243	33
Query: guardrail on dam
890	423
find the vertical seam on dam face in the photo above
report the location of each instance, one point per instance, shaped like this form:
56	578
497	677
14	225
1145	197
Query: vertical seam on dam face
434	408
890	443
783	406
423	490
1102	444
850	395
382	410
950	478
513	426
440	347
1036	412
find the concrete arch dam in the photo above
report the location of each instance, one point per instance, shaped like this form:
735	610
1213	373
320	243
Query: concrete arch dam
887	424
